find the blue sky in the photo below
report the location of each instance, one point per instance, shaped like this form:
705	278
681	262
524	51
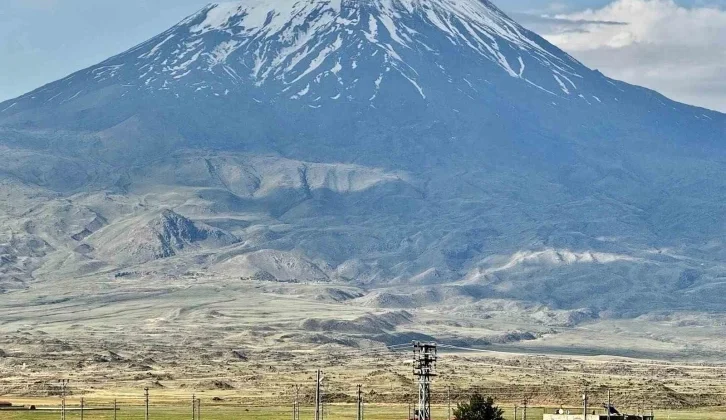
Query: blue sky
44	40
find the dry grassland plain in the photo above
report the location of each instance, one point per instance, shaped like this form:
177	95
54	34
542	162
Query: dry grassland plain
338	411
242	347
261	386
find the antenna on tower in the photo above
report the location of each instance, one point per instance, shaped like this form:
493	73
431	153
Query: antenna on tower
424	369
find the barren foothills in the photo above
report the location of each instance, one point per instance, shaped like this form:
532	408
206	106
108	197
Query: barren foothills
248	342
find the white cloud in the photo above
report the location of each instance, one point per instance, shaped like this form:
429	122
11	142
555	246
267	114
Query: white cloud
676	50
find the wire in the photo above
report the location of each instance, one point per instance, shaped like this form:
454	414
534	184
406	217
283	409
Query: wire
447	346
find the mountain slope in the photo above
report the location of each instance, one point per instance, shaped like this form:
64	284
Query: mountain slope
441	72
157	236
287	46
427	144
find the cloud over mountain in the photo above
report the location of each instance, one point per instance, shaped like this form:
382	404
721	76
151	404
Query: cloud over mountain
675	49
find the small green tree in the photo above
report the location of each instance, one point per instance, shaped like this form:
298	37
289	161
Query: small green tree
478	408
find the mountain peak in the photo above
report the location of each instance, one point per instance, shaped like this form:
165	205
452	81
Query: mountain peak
317	51
290	76
283	35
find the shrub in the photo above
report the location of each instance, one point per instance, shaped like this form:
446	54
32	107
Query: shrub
478	408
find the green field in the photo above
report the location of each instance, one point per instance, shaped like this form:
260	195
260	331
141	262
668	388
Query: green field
333	412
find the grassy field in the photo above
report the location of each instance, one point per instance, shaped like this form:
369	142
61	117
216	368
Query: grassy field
333	412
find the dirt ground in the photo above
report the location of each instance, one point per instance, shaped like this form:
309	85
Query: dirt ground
338	411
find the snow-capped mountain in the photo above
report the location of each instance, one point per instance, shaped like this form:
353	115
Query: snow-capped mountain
343	50
324	66
379	143
413	69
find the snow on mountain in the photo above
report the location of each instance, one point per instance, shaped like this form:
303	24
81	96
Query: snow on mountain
415	70
341	50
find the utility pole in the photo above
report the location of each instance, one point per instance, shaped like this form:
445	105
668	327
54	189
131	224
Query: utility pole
317	395
194	407
297	400
199	409
584	405
515	412
448	398
424	368
296	413
609	405
360	402
146	398
524	410
115	409
82	407
63	383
